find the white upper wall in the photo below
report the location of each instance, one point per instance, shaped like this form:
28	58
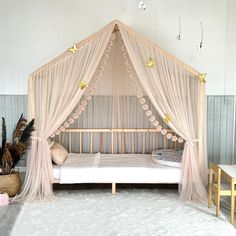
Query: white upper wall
34	32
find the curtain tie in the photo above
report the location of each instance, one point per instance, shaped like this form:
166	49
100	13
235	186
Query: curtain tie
191	142
40	139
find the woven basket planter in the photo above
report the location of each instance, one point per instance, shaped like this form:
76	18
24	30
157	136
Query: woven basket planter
10	184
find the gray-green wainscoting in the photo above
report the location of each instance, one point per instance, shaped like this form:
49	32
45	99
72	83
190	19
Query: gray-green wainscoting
220	123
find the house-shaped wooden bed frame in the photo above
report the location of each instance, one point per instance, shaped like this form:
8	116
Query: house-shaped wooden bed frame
176	91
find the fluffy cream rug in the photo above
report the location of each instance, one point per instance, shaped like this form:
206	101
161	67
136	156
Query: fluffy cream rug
129	212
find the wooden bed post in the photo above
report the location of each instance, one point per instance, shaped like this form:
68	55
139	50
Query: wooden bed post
113	189
69	142
112	142
80	142
133	145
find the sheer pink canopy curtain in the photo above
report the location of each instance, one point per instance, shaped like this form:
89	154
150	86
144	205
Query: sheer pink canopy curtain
176	91
54	91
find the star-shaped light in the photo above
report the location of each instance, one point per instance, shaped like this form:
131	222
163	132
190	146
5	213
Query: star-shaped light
73	49
167	118
83	85
151	63
202	77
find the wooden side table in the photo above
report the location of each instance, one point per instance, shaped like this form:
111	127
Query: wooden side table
228	172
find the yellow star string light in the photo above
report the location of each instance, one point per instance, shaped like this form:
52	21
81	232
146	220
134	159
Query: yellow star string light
83	85
167	118
202	77
73	49
151	63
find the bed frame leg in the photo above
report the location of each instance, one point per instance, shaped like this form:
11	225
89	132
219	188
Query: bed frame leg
113	188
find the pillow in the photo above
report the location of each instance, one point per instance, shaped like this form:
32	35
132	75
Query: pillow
58	153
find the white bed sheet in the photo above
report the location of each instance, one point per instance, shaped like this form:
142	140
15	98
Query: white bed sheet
118	168
56	172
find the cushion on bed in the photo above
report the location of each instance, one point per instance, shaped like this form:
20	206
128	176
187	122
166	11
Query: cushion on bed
58	153
168	157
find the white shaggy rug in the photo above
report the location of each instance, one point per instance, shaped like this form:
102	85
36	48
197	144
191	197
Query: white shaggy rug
129	212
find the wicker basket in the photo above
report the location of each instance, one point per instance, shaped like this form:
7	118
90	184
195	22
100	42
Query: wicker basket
10	184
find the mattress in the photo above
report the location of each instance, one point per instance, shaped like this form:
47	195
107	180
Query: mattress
56	172
118	168
168	157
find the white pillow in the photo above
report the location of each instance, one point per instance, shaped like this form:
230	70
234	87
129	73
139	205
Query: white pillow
58	153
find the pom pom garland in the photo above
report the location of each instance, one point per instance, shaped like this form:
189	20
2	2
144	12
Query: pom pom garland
128	70
163	131
57	132
62	128
145	107
99	74
78	112
108	49
159	128
106	56
125	54
139	95
152	118
88	97
71	121
132	76
75	116
110	43
142	101
127	62
66	124
84	103
81	107
113	36
101	68
93	86
149	113
123	49
155	123
104	63
174	138
91	92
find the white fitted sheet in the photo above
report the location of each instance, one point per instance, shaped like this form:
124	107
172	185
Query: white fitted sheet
56	172
118	168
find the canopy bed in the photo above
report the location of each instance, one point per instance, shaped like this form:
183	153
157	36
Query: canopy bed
110	69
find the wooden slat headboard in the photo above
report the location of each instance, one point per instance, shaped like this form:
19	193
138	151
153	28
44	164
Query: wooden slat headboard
113	132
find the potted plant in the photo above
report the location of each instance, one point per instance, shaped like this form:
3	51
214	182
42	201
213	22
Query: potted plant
12	152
